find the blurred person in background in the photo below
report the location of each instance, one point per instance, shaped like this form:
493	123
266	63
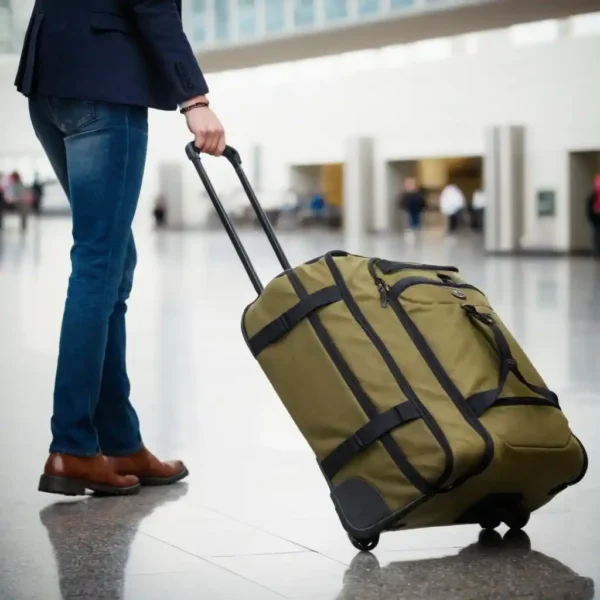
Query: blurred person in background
160	212
2	199
17	197
452	205
477	210
593	209
37	191
91	70
412	201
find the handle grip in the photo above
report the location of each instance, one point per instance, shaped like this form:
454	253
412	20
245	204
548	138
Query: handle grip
230	153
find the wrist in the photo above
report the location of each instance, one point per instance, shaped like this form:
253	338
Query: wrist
194	100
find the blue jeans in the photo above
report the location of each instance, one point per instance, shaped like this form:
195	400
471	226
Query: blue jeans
98	152
414	220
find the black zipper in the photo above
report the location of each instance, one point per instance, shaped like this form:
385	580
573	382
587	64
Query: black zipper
402	382
382	286
395	452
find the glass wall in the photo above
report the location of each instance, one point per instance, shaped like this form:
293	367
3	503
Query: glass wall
247	18
6	27
336	10
304	13
275	20
222	22
401	4
367	8
200	21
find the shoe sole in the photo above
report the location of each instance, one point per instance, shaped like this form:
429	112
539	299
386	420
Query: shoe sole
156	481
66	486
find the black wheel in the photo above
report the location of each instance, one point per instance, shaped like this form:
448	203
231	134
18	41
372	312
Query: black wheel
490	538
517	520
490	522
364	544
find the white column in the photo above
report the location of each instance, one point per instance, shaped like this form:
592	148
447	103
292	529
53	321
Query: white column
210	21
234	21
289	16
512	187
352	9
358	188
491	185
504	188
319	6
261	21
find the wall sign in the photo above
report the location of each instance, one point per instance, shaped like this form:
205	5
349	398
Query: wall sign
546	203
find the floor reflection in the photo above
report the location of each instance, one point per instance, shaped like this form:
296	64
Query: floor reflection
91	540
494	568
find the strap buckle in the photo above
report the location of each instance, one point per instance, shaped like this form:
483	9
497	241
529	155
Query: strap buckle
283	324
357	442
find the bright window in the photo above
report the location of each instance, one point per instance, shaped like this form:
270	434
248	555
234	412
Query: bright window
275	15
246	18
336	10
222	24
304	13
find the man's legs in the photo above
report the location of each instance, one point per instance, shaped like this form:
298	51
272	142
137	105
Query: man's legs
115	419
104	154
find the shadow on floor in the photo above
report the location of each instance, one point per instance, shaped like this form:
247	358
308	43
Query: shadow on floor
494	568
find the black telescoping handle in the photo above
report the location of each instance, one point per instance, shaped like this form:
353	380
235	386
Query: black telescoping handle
233	156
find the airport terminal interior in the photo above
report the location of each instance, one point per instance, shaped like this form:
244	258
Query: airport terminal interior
342	111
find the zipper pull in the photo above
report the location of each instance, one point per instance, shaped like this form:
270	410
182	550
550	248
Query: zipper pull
383	293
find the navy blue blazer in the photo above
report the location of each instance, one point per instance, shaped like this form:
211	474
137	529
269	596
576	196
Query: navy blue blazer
122	51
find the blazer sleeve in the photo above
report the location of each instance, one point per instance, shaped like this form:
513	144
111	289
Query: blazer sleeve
160	26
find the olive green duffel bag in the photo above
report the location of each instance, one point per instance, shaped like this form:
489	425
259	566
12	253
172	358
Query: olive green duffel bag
420	406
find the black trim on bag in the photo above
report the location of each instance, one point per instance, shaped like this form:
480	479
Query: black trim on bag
280	327
368	434
448	386
388	267
391	364
356	388
586	463
479	409
400	287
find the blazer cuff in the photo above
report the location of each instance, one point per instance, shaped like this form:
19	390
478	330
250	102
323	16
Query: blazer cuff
190	82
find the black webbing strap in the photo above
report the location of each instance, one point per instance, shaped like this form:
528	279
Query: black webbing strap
275	330
482	401
367	435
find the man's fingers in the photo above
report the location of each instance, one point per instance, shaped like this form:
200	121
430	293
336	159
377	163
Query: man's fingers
211	143
221	145
200	142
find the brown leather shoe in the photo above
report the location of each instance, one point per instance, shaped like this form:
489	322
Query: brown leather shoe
149	469
73	475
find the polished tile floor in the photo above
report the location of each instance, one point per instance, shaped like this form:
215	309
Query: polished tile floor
254	521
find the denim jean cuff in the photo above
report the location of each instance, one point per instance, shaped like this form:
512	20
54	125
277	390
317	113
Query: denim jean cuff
73	451
119	452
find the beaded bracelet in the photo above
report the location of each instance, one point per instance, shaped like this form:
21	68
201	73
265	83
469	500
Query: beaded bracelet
187	109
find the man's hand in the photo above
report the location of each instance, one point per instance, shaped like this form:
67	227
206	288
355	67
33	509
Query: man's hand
207	129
